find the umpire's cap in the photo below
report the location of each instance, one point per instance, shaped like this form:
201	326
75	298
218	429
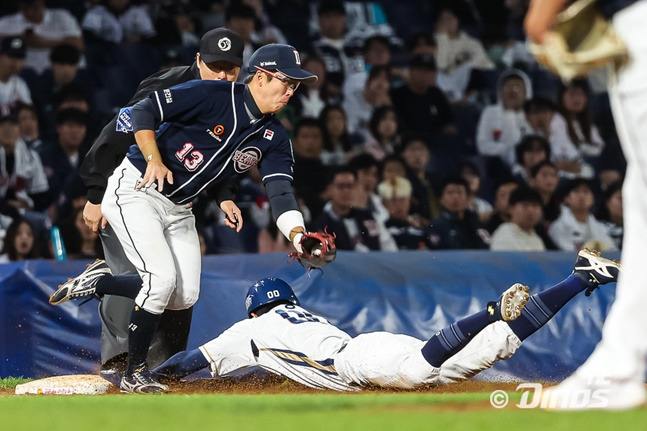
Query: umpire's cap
281	58
222	44
269	291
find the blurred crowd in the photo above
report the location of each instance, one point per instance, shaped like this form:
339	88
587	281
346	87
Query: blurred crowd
430	127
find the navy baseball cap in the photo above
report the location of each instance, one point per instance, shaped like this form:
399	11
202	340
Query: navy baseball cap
281	58
13	47
222	44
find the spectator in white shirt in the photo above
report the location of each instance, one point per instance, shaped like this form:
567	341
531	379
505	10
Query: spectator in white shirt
575	119
457	54
576	227
519	233
117	21
41	29
13	88
22	176
502	125
545	121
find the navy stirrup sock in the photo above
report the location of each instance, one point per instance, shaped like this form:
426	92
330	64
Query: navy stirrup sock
182	364
542	306
449	340
140	334
120	285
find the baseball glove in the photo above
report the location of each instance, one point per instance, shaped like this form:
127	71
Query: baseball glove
580	40
318	250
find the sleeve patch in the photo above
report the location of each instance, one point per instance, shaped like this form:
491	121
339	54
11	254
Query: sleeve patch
124	121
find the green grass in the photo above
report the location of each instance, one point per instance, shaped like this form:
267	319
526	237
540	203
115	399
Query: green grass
11	382
369	411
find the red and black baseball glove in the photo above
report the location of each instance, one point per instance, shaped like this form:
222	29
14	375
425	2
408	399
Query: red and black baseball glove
318	250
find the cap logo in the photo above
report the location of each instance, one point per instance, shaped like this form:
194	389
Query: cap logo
268	63
296	57
224	44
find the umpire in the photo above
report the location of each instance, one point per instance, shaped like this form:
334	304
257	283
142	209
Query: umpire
220	58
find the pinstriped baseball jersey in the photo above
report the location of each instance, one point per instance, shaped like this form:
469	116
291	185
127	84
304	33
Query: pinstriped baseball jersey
287	340
208	135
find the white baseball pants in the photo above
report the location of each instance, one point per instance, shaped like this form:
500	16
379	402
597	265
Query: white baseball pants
622	352
158	237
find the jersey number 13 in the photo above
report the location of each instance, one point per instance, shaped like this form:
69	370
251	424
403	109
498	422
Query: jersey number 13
194	159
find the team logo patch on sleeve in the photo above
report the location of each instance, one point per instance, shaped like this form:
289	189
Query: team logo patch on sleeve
124	122
268	134
246	158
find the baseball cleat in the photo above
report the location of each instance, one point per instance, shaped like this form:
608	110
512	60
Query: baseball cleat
142	381
594	269
83	285
509	307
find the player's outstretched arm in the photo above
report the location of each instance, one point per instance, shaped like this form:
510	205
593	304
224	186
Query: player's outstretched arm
182	364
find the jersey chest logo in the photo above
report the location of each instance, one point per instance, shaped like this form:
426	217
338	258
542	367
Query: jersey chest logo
246	158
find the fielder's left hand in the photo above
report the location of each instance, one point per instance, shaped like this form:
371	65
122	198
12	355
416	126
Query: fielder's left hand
233	216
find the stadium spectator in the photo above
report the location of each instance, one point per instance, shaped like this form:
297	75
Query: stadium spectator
383	136
23	184
311	98
544	178
41	29
502	125
355	228
366	170
457	54
309	178
264	32
393	166
532	150
421	106
117	22
28	122
80	241
576	227
396	198
545	121
62	158
19	243
13	88
519	233
64	73
339	145
471	173
241	19
376	52
611	214
457	227
575	119
341	60
424	202
501	213
422	43
361	108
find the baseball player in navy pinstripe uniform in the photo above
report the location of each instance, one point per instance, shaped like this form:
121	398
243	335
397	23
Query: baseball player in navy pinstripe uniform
191	137
220	58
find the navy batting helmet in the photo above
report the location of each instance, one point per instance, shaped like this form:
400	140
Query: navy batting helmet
268	291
